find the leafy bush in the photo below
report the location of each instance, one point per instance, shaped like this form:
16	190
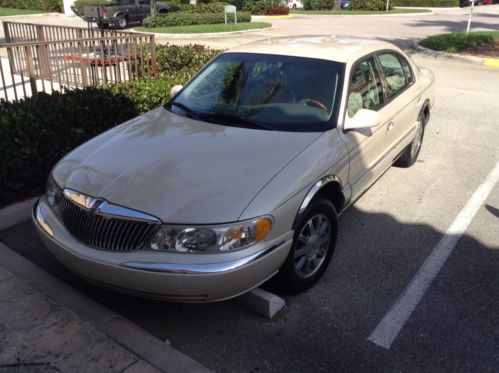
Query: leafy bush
45	5
36	132
277	11
430	3
369	5
258	7
188	19
174	58
318	4
457	42
214	7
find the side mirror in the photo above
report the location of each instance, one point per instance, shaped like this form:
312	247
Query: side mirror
175	89
362	119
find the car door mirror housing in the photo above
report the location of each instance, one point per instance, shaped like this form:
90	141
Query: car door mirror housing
175	89
364	118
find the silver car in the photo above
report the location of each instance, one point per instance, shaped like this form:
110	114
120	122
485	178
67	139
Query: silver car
241	176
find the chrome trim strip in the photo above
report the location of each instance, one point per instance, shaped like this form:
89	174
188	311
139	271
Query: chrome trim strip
103	208
201	269
315	188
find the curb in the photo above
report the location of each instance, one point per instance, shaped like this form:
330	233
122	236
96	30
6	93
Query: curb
431	13
16	213
129	335
207	35
493	62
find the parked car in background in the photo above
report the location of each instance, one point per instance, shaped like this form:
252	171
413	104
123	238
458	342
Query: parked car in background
121	13
345	4
241	176
295	4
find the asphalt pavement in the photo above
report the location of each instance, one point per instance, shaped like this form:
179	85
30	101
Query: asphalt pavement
384	239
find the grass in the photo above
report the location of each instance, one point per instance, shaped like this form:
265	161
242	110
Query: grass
195	29
459	41
360	12
15	12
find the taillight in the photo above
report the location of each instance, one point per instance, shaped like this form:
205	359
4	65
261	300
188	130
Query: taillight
104	10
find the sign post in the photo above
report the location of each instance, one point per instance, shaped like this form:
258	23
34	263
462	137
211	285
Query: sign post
469	17
230	9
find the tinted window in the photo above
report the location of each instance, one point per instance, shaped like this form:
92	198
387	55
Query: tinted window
276	92
409	77
366	91
394	74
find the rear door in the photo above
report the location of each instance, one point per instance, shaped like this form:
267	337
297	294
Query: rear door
403	102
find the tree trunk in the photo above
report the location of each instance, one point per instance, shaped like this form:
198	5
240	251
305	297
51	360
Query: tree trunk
337	5
153	8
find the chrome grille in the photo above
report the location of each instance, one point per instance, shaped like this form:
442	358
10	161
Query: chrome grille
104	233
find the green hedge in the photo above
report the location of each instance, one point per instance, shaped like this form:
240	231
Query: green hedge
36	132
318	4
430	3
214	7
369	5
188	19
45	5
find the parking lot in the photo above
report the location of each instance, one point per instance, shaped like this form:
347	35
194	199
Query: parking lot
384	239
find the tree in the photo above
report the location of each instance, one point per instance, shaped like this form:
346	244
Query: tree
153	7
337	5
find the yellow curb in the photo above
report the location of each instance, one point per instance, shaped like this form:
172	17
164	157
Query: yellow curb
280	17
494	62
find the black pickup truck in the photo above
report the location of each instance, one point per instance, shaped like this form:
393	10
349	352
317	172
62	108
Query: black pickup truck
121	13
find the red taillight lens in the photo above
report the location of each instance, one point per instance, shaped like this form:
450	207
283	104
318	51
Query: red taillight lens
104	10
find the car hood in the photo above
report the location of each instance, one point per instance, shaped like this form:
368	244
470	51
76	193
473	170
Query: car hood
178	169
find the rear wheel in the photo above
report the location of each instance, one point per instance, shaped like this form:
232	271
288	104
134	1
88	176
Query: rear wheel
313	246
123	22
411	152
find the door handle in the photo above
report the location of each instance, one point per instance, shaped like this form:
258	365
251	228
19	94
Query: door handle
390	126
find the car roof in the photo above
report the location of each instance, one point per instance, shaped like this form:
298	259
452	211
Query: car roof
328	47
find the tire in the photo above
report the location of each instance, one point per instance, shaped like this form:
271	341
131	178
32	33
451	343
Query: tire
123	22
313	257
410	154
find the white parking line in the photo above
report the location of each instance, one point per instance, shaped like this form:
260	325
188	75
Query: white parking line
388	329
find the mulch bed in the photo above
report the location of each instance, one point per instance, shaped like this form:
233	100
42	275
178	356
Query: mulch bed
490	50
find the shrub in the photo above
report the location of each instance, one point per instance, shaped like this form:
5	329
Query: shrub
369	5
174	58
45	5
318	4
277	11
258	7
457	42
36	132
188	19
430	3
215	7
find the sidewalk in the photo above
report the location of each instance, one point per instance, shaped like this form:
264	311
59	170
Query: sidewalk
47	326
37	334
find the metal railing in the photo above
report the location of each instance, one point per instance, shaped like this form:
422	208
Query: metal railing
36	66
16	32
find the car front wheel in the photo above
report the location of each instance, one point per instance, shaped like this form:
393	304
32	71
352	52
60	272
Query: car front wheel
313	246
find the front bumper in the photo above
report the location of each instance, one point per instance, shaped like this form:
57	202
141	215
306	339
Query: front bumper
161	275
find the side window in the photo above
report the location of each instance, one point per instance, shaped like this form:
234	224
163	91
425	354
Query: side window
394	74
409	77
145	2
366	91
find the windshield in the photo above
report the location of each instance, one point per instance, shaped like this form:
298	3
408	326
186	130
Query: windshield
263	91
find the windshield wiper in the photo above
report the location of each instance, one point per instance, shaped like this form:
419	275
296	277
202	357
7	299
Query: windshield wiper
234	120
191	113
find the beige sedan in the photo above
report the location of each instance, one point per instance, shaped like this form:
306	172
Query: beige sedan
241	176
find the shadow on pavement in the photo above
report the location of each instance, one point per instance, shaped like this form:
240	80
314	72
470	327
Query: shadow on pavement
325	328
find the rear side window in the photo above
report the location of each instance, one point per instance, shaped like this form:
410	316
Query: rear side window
409	76
394	73
366	91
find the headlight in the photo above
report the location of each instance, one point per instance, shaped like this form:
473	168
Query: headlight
53	194
204	239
